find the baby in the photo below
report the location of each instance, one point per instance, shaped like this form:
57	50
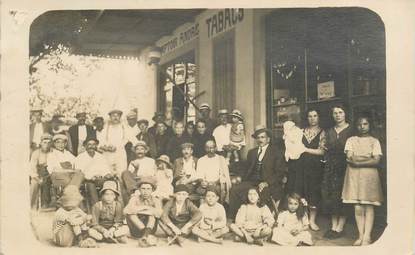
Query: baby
293	136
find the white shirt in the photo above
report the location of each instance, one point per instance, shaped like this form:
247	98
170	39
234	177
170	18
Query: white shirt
132	132
82	133
216	213
92	166
189	167
37	133
115	135
222	135
264	149
208	169
100	135
146	166
56	157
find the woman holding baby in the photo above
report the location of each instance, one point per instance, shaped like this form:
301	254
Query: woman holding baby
305	174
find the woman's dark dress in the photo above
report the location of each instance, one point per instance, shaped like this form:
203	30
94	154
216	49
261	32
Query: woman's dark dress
306	173
334	171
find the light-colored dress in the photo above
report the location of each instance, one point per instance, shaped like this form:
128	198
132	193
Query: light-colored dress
362	184
288	221
251	217
164	184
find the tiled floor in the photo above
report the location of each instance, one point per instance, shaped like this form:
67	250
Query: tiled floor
42	225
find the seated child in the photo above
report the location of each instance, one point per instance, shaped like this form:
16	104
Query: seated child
293	137
179	216
292	224
213	224
254	221
70	222
237	136
164	176
143	211
141	166
107	216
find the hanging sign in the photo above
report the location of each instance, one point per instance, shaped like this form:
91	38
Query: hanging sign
325	90
223	21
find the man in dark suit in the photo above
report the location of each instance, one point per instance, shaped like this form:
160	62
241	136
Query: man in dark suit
80	132
266	171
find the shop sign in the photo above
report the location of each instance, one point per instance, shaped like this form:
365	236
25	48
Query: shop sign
325	90
223	21
180	39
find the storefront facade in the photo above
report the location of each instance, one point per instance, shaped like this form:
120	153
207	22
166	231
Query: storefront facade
273	65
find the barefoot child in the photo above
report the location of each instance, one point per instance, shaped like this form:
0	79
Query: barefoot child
107	216
254	221
70	222
213	224
164	176
179	216
362	183
292	223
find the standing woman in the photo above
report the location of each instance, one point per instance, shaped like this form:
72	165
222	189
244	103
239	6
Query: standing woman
334	171
306	173
362	186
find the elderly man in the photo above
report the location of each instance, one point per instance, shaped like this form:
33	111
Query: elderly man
80	132
143	211
212	170
266	172
205	116
37	128
95	168
222	132
61	164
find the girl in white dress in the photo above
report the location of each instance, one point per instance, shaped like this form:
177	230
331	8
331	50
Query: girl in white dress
164	177
292	223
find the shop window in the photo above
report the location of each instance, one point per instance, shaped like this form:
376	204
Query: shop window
224	71
178	88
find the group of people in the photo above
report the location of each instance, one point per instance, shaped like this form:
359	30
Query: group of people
136	178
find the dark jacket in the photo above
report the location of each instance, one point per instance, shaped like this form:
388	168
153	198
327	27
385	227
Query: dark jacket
73	132
188	213
274	169
199	142
174	149
150	141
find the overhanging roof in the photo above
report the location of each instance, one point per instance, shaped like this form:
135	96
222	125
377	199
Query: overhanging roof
107	32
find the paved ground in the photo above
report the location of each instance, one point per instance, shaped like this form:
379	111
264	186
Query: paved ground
42	226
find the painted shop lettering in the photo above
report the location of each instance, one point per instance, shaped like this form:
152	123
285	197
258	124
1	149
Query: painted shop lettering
224	20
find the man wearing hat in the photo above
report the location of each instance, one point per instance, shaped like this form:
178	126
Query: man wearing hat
143	211
114	141
222	132
141	166
174	145
37	128
205	110
95	168
159	117
61	164
145	136
266	171
185	167
132	131
56	126
80	132
99	127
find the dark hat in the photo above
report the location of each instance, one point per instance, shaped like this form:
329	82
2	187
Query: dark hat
181	187
57	118
98	118
165	159
90	138
158	114
109	185
80	114
147	180
142	121
238	114
260	129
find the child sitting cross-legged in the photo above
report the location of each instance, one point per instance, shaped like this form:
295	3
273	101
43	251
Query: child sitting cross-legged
179	216
292	228
107	217
70	222
213	224
254	220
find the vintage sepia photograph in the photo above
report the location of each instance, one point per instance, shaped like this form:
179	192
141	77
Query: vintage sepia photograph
207	127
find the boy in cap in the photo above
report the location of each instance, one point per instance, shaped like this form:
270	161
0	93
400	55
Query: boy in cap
79	132
141	166
70	222
107	216
222	132
179	216
143	211
213	224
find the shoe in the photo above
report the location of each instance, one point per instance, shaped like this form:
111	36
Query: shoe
237	239
122	239
259	242
336	235
328	234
